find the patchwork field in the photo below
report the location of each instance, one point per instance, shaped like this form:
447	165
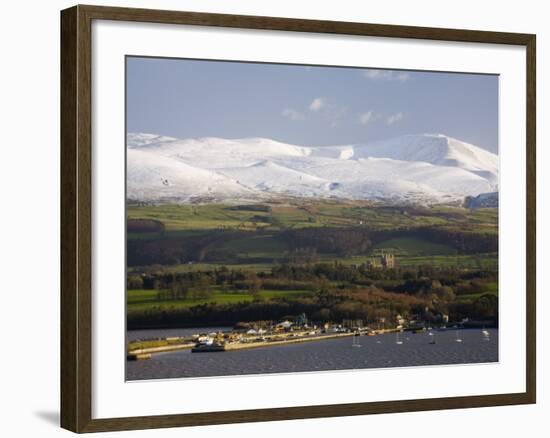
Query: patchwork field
313	213
219	262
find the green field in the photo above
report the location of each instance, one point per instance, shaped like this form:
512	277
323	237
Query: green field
140	299
491	289
411	246
313	213
256	236
473	297
478	261
319	248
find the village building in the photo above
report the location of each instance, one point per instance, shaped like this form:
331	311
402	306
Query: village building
352	323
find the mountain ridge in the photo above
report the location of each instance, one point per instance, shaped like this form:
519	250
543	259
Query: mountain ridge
422	168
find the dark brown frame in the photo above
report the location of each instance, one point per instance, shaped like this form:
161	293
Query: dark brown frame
76	174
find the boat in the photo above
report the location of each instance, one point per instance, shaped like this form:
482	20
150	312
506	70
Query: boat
486	335
355	341
458	338
398	340
432	338
207	346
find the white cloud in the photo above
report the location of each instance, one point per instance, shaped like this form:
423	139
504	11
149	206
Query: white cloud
317	104
386	75
366	118
394	118
292	114
331	113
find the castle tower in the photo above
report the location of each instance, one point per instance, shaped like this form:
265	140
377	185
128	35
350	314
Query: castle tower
388	261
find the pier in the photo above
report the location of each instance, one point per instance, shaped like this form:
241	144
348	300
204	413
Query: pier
233	341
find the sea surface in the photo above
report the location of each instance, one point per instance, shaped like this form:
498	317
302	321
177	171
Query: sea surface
380	351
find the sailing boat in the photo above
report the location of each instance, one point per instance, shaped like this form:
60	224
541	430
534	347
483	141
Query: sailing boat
486	335
432	338
458	338
398	340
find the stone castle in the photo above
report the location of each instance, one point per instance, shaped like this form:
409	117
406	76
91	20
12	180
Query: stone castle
383	261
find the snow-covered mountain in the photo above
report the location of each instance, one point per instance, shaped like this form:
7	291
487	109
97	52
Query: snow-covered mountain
429	168
483	200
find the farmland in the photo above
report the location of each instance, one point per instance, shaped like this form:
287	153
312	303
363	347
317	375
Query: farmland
197	261
312	213
140	299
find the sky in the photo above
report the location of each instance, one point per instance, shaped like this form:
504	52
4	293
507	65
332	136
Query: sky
307	105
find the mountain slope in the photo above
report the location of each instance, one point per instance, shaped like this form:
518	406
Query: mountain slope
483	200
435	149
413	168
155	178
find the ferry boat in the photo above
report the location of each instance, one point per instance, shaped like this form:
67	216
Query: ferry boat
207	346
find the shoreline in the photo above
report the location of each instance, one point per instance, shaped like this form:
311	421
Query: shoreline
186	344
145	353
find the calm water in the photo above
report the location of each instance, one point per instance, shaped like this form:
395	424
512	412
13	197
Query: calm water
336	354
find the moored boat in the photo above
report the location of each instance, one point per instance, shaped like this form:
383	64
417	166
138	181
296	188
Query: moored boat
207	346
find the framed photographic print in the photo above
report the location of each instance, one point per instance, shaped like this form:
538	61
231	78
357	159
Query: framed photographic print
270	218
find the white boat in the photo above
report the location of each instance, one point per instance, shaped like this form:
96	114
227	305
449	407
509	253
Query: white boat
398	340
458	338
208	346
432	338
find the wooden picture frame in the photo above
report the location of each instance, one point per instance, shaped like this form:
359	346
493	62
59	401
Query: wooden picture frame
76	217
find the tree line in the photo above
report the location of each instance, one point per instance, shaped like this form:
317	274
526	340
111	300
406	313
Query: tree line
303	245
336	291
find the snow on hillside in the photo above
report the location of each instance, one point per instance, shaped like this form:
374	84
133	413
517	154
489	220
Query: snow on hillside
483	200
270	177
155	178
413	168
214	153
140	140
435	149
